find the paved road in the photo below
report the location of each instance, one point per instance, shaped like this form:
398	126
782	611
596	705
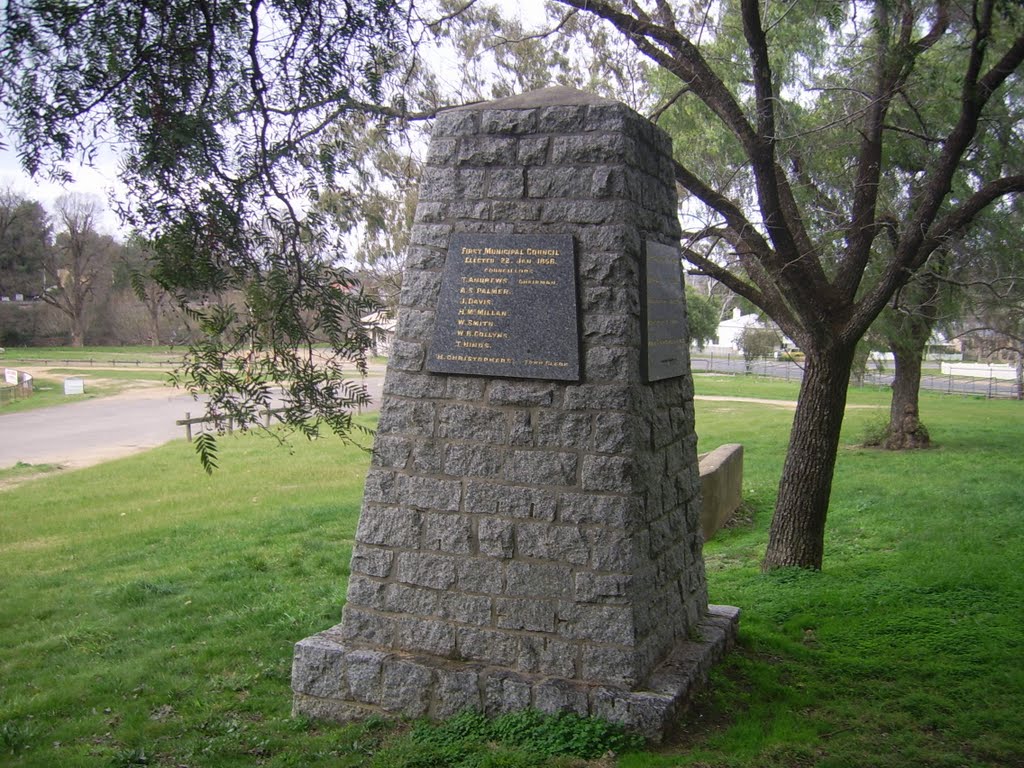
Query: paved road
930	379
92	431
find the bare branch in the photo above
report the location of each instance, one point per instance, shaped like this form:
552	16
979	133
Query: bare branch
669	103
433	25
975	95
666	16
723	275
991	287
915	134
957	220
734	217
542	35
679	56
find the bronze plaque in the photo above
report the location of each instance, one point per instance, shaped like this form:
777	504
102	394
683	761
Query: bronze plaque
666	337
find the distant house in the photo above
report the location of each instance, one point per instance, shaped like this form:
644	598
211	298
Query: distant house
728	334
386	323
730	329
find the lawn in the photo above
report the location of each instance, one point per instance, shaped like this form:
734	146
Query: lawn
147	611
48	389
106	370
134	356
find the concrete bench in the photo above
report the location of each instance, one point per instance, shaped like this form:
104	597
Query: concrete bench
721	483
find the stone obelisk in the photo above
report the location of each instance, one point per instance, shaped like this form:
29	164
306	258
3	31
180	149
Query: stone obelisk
530	529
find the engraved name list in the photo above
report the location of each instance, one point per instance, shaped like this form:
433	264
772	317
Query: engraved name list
508	308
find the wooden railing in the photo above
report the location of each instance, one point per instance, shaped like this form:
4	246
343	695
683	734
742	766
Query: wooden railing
189	420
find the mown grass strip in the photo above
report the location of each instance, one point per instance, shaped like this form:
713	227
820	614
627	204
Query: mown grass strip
93	355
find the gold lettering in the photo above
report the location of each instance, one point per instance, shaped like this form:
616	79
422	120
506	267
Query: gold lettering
474	359
509	270
548	363
503	251
493	291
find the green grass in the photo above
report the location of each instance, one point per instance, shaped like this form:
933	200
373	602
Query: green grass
778	389
22	471
123	374
906	650
148	612
47	391
526	738
124	355
149	609
48	387
107	371
744	386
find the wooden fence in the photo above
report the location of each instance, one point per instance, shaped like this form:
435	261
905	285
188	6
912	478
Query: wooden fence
93	362
188	421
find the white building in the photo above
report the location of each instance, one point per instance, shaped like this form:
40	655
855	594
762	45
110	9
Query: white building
386	323
730	329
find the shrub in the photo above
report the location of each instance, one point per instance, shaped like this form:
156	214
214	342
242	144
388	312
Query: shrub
756	342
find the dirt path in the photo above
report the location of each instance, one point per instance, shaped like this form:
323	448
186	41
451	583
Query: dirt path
791	404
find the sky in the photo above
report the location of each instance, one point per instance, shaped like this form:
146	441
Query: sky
97	181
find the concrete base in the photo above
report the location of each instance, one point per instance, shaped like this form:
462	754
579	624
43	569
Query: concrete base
332	682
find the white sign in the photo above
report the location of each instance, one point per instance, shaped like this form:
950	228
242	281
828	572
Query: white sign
74	386
10	376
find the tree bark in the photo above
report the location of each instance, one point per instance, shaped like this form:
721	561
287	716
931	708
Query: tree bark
905	428
77	333
797	536
153	308
1020	374
908	329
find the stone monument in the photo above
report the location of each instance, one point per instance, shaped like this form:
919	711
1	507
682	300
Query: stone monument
530	530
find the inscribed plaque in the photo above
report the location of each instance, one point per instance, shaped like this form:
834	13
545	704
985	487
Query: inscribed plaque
508	308
665	335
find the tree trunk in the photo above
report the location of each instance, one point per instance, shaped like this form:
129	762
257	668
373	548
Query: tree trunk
77	331
797	536
905	428
153	308
1020	374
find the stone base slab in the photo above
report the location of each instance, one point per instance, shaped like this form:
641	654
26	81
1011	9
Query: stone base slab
333	682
